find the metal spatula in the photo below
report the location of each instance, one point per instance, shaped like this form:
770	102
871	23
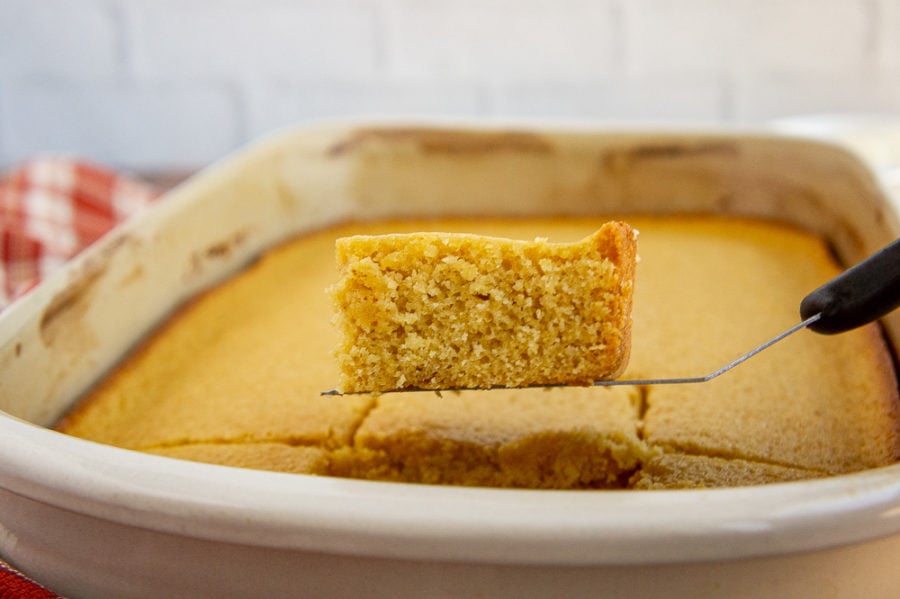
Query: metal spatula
858	296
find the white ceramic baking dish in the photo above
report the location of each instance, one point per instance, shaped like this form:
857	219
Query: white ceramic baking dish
97	521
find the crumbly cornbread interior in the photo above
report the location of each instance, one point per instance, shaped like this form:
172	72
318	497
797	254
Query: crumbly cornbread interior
455	310
235	377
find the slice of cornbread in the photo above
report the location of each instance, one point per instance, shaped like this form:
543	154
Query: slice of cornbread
444	310
560	438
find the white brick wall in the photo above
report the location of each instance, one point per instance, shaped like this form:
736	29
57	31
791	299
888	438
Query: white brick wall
250	39
56	40
179	83
484	40
158	127
662	98
271	106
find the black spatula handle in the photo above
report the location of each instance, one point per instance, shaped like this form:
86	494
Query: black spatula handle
857	296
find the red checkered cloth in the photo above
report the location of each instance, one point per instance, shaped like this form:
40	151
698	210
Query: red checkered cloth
15	585
51	209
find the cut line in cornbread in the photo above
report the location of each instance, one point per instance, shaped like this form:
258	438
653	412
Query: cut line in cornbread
453	310
236	377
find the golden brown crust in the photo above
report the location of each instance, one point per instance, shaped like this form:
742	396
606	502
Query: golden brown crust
685	471
818	402
277	457
244	365
567	438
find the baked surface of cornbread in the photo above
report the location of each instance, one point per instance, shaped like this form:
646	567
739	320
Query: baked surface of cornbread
235	377
443	310
686	471
557	438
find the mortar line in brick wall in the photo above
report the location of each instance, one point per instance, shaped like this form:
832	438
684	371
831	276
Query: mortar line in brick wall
874	34
239	96
620	45
122	46
383	29
728	108
486	98
125	20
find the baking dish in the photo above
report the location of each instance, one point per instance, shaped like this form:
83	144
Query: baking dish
91	520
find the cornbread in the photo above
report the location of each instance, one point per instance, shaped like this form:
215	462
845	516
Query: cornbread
278	457
817	402
235	377
686	471
240	364
558	438
441	310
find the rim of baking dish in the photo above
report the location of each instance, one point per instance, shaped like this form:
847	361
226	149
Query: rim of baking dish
430	522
